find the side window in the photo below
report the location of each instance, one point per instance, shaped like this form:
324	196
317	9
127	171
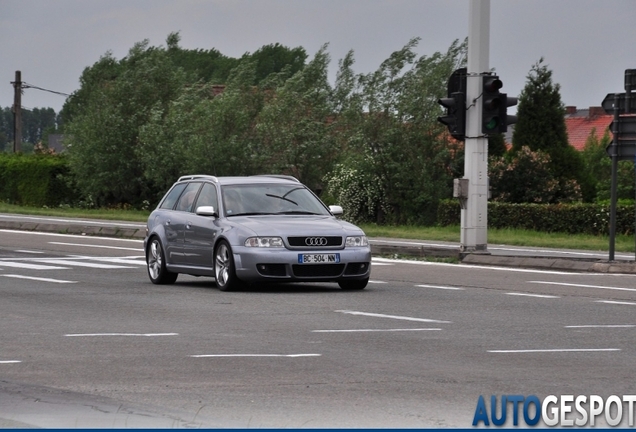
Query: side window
187	197
173	195
208	197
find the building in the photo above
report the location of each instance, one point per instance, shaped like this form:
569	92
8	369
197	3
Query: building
581	122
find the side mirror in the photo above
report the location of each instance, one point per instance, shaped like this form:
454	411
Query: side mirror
207	211
336	210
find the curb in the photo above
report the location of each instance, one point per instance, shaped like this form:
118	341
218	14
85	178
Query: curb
77	229
420	251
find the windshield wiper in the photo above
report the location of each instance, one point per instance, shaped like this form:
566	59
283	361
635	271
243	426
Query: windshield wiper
282	198
299	212
251	214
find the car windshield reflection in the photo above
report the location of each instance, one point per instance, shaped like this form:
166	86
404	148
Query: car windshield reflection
266	199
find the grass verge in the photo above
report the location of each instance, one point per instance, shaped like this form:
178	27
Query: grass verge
513	237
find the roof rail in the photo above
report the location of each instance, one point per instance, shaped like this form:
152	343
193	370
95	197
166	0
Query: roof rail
198	176
280	176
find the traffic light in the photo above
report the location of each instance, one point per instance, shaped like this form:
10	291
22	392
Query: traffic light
455	118
494	106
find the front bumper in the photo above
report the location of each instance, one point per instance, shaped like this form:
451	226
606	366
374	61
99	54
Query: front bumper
281	265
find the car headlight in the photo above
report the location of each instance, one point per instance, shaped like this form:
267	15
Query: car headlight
356	241
264	242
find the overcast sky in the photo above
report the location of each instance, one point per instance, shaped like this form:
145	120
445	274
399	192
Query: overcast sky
587	44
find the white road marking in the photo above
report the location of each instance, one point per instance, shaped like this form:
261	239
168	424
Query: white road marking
255	355
602	326
96	246
583	285
80	264
377	282
25	265
488	268
120	334
29	251
76	236
376	315
533	295
616	302
441	287
555	350
9	361
39	279
374	330
376	263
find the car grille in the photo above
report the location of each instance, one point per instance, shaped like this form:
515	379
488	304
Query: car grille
315	241
318	270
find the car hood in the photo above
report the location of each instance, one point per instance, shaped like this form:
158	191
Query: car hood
296	225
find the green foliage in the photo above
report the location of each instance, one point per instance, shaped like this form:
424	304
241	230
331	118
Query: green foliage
103	139
580	218
389	126
598	169
35	180
541	127
526	177
295	127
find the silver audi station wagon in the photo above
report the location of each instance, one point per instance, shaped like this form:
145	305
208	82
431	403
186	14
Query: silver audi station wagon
247	230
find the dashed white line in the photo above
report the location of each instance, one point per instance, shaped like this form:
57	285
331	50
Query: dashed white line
602	326
39	279
10	361
376	330
376	315
95	246
555	350
120	334
30	266
29	251
533	295
441	287
583	285
616	302
256	355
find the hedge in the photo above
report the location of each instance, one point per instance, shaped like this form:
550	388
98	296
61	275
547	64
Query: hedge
567	218
34	180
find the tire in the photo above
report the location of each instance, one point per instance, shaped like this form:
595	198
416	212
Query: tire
156	264
224	270
356	284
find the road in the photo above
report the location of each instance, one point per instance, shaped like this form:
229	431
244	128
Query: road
88	341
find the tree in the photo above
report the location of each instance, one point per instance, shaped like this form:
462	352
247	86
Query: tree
296	125
103	137
598	166
393	138
541	127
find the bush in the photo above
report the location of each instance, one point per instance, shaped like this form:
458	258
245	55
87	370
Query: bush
35	180
567	218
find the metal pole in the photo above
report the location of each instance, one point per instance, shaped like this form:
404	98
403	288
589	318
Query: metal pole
627	110
614	175
474	218
17	113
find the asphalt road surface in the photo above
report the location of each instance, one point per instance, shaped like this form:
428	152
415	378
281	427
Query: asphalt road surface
87	341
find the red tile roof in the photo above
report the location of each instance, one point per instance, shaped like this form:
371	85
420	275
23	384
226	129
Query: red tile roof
580	127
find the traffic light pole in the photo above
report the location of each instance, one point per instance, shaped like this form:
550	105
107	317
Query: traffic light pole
474	218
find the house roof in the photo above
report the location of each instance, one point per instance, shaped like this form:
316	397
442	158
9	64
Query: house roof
579	124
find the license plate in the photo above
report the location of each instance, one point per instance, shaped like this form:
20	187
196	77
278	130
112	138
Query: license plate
318	258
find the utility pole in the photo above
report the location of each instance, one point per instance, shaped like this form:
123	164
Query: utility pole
474	218
17	113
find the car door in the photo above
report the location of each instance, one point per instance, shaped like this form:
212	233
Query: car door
201	231
177	224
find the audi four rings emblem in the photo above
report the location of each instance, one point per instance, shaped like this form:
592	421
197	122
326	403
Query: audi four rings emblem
316	241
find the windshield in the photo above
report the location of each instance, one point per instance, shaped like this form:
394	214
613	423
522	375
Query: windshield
267	199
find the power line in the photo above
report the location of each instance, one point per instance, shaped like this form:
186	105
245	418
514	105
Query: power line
27	85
